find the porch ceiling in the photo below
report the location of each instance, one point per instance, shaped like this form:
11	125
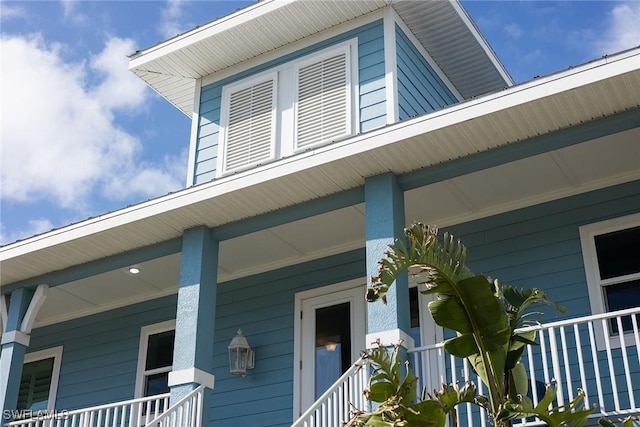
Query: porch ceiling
596	90
171	68
587	166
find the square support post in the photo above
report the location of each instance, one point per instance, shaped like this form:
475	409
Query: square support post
195	315
384	207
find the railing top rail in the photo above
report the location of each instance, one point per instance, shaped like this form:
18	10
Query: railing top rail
584	319
349	372
96	408
559	323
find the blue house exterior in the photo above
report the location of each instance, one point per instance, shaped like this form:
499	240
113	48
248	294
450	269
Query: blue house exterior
319	131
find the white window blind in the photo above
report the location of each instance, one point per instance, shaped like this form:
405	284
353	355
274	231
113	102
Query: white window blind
251	126
323	110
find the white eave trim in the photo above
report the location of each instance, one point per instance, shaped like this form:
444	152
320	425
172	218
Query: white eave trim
589	73
482	42
196	35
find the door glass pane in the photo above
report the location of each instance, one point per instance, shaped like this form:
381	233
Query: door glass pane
333	345
414	312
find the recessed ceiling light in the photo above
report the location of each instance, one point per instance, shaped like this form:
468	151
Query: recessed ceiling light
134	270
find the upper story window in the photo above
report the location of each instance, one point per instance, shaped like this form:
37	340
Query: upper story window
296	106
611	251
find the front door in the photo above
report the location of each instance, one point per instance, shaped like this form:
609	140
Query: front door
332	335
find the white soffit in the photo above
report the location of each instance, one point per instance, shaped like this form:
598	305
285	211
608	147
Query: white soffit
597	89
447	32
171	67
443	27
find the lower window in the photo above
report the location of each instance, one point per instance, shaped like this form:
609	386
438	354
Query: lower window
39	381
155	359
611	252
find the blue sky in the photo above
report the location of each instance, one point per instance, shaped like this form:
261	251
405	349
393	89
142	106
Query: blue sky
82	136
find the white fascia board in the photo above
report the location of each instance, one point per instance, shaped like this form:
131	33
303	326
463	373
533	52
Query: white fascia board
482	41
193	137
201	33
593	72
391	65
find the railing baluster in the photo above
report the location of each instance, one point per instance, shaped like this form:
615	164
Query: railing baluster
567	366
612	374
532	375
636	334
543	353
625	361
555	361
581	367
596	368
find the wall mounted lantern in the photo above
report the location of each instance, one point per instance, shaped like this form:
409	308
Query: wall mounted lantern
241	356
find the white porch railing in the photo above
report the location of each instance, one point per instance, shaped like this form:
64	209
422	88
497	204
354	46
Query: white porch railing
187	412
334	407
599	354
576	353
129	413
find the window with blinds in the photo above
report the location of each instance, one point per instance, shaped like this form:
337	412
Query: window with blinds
288	108
35	385
250	126
323	109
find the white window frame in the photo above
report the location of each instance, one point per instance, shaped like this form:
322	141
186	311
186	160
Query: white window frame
595	285
56	354
348	49
145	333
227	91
284	105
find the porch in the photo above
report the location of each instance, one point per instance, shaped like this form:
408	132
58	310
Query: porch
599	354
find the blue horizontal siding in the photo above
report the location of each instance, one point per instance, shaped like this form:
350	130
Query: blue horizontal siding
420	89
540	247
100	352
370	70
264	309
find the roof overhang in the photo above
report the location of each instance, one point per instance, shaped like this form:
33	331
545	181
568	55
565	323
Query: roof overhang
598	89
445	30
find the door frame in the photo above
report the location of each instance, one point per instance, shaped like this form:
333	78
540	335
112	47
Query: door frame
359	307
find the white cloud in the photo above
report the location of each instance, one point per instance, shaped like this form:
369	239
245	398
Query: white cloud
513	30
120	87
8	11
623	29
172	22
36	226
60	141
70	10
